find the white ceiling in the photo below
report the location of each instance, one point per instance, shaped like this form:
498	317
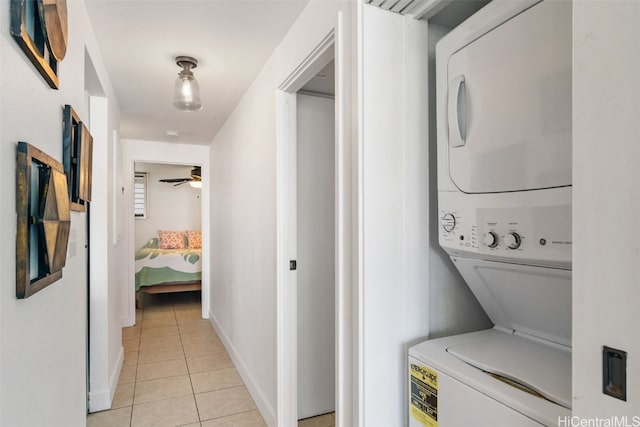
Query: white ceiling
139	40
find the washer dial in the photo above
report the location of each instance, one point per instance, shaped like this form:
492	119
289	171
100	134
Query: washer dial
491	239
448	222
512	240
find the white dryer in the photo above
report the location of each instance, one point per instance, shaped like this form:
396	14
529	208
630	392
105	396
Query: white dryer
504	182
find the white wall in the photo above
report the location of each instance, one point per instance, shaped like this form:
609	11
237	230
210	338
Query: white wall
106	261
167	153
395	208
453	309
169	207
243	216
411	290
606	201
43	338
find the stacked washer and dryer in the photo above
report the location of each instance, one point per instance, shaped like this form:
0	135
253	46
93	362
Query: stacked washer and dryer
504	193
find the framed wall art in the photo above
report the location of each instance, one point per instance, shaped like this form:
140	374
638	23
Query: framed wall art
40	29
43	220
77	158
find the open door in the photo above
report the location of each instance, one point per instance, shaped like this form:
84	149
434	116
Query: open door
316	254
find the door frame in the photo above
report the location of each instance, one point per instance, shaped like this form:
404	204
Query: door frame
335	45
129	312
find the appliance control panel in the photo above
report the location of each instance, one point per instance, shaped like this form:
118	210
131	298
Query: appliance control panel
537	235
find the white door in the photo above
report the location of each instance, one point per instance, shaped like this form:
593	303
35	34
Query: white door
315	255
509	104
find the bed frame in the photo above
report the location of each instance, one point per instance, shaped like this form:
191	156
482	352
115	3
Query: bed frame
171	287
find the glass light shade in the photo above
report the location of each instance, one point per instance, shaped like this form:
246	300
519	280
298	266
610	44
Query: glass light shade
195	184
186	95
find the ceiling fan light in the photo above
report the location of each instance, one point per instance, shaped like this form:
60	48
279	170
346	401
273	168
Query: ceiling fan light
195	184
186	94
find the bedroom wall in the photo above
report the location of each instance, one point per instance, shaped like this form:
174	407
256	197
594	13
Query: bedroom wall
43	338
243	215
169	207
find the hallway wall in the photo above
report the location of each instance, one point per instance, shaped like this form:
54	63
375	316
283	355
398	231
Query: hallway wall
243	212
43	337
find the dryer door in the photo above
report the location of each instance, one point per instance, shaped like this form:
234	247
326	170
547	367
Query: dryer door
509	104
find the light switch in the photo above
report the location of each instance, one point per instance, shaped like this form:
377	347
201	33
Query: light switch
614	372
72	243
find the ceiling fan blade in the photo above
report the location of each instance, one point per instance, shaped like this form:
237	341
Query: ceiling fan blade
196	173
172	180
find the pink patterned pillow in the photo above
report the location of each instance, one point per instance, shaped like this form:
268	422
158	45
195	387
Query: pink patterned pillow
194	239
171	239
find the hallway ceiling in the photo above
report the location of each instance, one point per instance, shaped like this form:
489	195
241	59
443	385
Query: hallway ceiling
139	40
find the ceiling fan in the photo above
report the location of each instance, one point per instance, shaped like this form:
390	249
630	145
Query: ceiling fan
196	176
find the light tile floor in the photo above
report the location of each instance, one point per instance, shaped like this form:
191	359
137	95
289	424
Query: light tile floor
177	372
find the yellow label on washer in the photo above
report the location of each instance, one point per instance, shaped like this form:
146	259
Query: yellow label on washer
424	395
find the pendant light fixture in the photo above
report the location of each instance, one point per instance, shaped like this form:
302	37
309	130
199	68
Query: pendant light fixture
186	95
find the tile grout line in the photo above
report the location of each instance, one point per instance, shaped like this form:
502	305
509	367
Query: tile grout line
231	415
220	389
135	378
184	331
195	402
234	414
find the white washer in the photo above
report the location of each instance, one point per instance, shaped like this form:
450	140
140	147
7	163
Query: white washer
519	372
504	181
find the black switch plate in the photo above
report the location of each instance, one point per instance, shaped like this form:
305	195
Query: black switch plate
293	265
614	373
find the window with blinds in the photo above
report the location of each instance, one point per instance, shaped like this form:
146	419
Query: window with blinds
140	195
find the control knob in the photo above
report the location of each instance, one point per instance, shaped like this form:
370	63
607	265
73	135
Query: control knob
512	240
491	239
448	222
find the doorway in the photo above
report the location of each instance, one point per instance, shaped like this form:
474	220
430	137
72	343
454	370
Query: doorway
188	156
167	230
337	318
315	219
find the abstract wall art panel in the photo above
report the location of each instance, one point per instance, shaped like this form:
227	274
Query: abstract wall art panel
77	157
43	220
40	29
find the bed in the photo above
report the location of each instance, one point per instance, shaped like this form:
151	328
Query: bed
167	270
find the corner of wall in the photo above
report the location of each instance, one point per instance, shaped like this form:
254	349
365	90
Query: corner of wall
100	400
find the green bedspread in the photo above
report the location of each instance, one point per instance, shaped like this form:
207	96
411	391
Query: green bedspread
164	266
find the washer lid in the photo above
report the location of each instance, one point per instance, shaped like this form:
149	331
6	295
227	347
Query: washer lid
534	301
542	368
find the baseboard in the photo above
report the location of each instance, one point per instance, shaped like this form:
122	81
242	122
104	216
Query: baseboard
126	321
100	400
115	375
263	405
